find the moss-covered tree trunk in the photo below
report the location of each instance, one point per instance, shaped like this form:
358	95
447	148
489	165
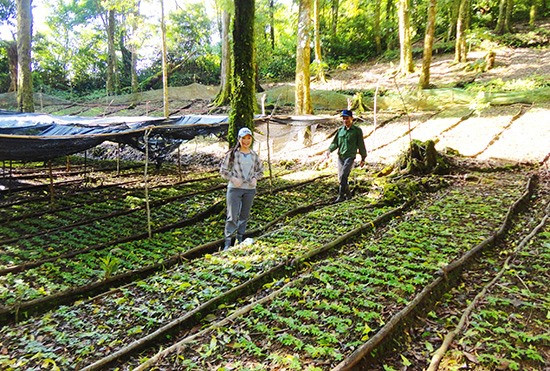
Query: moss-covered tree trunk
303	104
406	64
243	98
461	22
272	23
24	40
317	35
164	62
335	8
111	53
428	45
224	95
453	16
500	26
11	50
508	19
533	13
376	27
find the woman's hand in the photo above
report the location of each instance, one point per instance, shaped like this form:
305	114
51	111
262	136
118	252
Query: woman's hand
236	182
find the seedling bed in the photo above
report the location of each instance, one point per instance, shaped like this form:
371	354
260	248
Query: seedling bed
136	310
69	272
343	300
474	349
109	229
40	205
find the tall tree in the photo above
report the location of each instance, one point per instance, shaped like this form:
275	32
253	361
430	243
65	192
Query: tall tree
7	17
406	63
461	22
303	104
272	23
111	85
24	40
334	21
164	61
428	45
320	70
508	17
500	27
376	27
243	100
224	95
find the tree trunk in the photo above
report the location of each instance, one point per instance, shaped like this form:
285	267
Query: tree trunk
11	48
334	21
508	19
272	23
318	60
428	45
224	96
533	13
406	64
243	100
24	40
499	28
377	34
134	48
460	45
111	54
303	98
453	16
164	61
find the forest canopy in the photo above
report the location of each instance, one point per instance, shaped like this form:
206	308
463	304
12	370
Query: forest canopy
72	49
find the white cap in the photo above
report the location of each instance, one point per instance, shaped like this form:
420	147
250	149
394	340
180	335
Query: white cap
244	131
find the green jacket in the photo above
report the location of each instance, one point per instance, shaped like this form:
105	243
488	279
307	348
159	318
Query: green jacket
348	141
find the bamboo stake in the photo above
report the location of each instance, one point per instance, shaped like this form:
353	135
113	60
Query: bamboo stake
85	165
179	164
375	114
438	355
146	140
51	182
68	164
118	160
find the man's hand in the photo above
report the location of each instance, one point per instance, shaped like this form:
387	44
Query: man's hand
253	182
327	154
362	163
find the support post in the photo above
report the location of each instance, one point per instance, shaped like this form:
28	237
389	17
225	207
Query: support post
118	160
68	164
85	166
145	180
51	181
179	163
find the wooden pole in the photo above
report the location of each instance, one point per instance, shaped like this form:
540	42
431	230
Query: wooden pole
51	181
118	160
179	163
147	207
68	164
85	165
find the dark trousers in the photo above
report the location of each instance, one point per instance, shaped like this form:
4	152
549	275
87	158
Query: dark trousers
344	168
239	203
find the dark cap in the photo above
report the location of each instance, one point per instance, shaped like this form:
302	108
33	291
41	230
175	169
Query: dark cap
347	113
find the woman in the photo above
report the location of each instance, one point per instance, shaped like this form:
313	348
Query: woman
242	167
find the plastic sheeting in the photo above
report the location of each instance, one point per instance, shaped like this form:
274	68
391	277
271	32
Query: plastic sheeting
38	137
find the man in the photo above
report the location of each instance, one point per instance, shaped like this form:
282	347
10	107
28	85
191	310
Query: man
348	140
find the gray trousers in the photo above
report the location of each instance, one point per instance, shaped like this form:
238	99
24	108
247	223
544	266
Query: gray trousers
239	203
344	168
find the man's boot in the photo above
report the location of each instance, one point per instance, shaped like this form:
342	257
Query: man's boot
227	243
